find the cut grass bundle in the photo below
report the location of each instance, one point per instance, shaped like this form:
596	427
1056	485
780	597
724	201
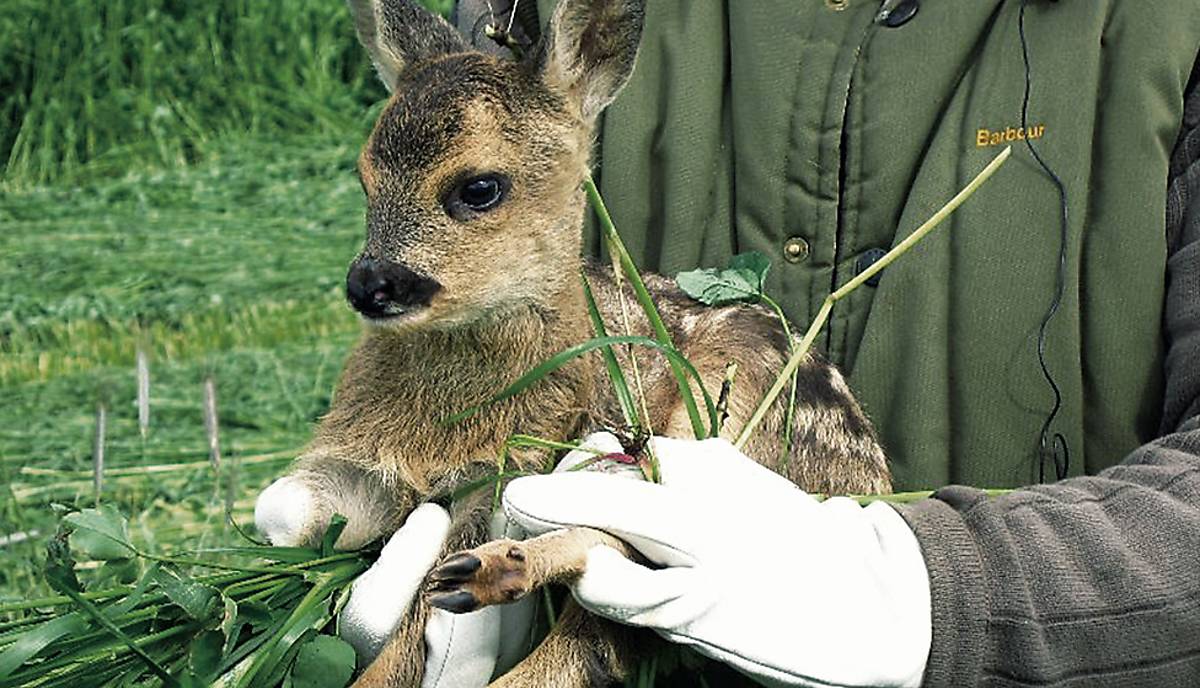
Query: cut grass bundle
250	624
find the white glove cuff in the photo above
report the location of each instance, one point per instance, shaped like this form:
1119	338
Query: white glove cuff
908	579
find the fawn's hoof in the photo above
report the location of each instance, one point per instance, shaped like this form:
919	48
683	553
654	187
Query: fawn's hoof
494	573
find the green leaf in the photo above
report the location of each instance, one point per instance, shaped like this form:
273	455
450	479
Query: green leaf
752	263
287	555
616	248
257	614
101	534
323	662
204	655
120	571
311	614
36	640
198	600
741	282
97	615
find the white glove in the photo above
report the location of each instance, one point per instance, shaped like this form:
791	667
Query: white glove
758	574
462	650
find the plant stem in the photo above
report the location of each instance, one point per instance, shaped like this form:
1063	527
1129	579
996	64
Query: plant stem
906	497
615	375
791	409
616	248
801	352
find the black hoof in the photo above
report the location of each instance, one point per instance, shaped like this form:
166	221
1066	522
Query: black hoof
457	602
457	568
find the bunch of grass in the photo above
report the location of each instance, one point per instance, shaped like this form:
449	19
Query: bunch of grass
263	618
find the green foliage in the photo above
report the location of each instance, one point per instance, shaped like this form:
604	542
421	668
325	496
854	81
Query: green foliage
322	662
615	374
742	281
103	84
100	534
624	269
251	625
255	239
442	7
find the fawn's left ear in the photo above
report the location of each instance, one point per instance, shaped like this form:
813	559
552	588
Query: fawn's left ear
589	48
397	33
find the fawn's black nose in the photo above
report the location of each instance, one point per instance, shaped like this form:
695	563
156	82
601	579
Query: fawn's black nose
380	288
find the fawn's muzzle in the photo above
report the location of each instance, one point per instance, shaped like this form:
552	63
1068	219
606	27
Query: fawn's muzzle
380	288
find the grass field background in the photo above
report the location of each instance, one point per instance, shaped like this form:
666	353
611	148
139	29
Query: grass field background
179	178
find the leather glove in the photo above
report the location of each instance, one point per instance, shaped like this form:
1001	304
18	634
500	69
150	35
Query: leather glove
462	650
755	573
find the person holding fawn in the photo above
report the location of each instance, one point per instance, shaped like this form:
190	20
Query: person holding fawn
1049	337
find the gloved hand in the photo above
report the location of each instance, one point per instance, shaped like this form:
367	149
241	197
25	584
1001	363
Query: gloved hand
757	573
462	650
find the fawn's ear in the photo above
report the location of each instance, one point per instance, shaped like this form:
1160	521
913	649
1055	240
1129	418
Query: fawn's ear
398	32
589	49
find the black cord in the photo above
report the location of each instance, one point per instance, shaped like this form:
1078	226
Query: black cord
1056	448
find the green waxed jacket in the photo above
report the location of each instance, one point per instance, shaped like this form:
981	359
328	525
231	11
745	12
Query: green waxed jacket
814	132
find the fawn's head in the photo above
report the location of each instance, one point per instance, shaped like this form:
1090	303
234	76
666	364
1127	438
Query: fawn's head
472	172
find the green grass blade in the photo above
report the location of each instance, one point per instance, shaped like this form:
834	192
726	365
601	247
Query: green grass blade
567	355
526	441
617	249
313	612
34	641
485	481
94	612
615	374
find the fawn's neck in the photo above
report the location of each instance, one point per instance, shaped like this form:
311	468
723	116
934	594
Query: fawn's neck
398	387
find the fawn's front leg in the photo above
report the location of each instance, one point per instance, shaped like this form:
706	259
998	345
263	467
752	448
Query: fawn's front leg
582	650
296	509
506	570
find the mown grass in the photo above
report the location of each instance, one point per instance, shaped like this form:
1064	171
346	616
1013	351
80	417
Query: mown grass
232	269
244	249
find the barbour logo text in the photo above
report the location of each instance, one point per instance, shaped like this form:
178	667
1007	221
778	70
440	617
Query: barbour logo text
988	137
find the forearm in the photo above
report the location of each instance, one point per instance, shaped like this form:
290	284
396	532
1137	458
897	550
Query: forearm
1090	581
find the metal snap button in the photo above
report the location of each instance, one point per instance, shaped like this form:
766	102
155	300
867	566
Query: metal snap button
795	250
837	5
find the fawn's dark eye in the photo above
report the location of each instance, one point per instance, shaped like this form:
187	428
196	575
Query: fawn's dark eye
477	194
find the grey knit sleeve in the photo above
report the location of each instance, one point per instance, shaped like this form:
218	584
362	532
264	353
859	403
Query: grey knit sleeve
1182	309
1088	582
1092	581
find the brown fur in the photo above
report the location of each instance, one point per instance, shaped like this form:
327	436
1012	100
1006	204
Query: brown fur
509	297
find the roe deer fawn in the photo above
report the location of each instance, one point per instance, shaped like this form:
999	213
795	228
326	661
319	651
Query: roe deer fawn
470	275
